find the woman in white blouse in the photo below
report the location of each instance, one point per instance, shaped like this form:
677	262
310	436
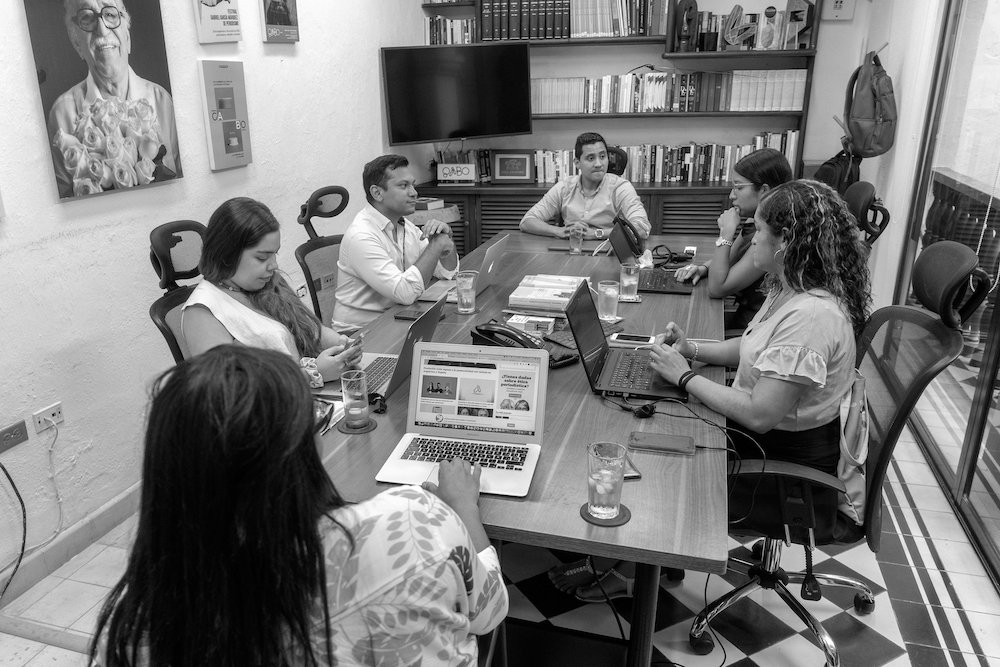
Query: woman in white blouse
244	298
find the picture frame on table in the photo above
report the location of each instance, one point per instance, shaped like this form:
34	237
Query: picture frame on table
512	166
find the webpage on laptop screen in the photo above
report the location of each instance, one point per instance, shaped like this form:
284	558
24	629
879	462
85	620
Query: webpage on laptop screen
473	393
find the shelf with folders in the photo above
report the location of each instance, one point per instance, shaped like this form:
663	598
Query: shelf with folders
564	20
775	92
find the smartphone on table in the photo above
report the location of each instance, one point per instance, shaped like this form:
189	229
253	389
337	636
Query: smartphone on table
630	340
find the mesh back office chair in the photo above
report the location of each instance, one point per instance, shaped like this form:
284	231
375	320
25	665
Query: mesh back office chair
617	160
325	203
901	349
318	259
872	217
174	251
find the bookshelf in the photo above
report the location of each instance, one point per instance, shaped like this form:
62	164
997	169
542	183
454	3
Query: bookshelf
689	207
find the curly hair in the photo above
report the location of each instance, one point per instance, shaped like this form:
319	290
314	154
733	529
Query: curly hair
823	247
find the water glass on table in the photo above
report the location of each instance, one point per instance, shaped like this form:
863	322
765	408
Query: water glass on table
576	240
607	300
629	279
466	291
354	385
605	475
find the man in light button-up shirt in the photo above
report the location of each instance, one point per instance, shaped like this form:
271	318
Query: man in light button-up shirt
384	258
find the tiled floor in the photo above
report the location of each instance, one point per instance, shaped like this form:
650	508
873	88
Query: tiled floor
935	604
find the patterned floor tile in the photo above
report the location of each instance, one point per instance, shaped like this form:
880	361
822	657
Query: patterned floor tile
857	643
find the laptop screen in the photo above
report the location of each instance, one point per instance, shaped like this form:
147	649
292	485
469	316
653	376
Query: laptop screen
619	244
486	390
581	313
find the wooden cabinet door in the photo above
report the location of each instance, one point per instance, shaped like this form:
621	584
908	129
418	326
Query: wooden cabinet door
500	213
688	213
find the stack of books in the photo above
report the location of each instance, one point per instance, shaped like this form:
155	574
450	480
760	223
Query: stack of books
532	324
543	294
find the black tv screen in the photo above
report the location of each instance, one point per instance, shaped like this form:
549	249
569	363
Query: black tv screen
443	93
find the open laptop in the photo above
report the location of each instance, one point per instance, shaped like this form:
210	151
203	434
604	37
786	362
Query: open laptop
484	404
386	372
655	280
485	278
612	371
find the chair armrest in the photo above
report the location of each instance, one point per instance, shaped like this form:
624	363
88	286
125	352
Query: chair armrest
786	469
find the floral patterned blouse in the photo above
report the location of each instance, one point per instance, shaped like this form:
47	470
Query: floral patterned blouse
412	591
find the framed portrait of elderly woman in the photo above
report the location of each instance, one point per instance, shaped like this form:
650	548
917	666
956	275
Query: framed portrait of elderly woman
105	89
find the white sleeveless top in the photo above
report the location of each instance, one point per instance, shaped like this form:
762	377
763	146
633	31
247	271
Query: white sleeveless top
244	324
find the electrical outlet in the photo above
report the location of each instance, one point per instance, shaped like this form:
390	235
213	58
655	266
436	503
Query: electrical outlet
43	417
838	10
13	435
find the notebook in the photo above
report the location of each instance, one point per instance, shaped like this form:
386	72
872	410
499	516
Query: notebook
478	403
491	260
386	372
654	280
612	371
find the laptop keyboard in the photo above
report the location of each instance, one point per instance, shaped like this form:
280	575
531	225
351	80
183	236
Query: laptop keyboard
632	371
565	337
379	371
658	279
486	454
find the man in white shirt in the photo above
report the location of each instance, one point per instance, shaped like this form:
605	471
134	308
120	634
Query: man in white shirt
384	258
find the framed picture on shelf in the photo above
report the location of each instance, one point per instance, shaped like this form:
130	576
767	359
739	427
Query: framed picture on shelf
513	167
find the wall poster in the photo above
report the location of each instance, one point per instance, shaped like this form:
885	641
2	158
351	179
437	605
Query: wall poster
105	89
279	20
224	94
218	21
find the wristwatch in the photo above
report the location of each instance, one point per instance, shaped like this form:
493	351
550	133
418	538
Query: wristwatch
598	233
721	242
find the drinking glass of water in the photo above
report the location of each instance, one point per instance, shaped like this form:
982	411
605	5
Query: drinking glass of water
629	281
605	475
354	385
607	300
466	290
575	241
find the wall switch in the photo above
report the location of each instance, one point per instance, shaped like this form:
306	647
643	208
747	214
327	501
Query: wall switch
838	10
13	435
43	417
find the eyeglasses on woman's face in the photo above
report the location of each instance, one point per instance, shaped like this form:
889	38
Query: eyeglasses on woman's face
86	19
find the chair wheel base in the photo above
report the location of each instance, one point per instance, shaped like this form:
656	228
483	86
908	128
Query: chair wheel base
863	606
702	645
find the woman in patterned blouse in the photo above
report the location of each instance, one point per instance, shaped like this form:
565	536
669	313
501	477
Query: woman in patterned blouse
245	554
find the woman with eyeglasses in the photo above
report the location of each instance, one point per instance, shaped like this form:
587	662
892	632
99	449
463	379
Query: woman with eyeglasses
246	555
731	270
244	298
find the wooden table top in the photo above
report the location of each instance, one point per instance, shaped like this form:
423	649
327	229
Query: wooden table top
678	507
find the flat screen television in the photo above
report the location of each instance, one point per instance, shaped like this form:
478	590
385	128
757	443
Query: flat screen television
445	93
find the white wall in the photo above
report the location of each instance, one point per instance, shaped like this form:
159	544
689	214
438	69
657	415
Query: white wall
77	282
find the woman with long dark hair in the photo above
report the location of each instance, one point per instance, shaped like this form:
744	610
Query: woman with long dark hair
795	361
244	297
731	271
246	555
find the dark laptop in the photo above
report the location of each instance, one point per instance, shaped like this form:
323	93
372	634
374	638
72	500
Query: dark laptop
659	281
612	371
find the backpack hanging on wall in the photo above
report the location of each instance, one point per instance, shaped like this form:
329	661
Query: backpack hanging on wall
842	170
870	109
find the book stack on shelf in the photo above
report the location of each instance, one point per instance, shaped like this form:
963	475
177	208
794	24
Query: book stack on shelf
443	30
562	19
673	91
783	30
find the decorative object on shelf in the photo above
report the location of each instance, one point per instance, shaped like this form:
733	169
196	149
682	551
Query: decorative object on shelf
687	13
218	21
513	167
460	172
279	21
800	17
224	98
114	129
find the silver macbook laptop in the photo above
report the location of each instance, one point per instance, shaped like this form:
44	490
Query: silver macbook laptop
386	372
484	404
485	278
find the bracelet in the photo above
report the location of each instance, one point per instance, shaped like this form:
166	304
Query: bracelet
308	366
686	377
694	357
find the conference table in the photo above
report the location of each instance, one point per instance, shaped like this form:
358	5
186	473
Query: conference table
678	506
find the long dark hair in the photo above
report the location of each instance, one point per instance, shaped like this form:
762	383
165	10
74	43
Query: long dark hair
823	244
228	561
766	166
241	223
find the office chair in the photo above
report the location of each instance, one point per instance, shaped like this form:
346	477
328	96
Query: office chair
325	203
617	160
318	259
872	217
901	349
174	251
